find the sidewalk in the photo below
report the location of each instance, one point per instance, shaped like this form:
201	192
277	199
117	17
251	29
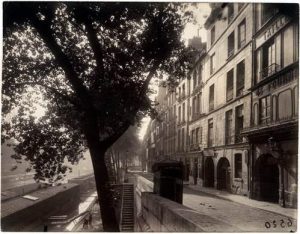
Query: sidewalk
246	201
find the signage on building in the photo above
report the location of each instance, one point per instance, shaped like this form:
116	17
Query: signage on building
278	24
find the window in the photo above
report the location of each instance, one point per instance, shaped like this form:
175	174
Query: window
183	112
194	106
200	74
229	86
238	166
199	110
230	44
212	63
212	35
200	135
194	79
211	97
239	123
210	133
268	10
179	92
242	34
179	114
183	90
230	12
269	65
240	78
285	105
197	136
228	127
264	110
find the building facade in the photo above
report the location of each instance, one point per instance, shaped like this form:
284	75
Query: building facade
233	121
273	133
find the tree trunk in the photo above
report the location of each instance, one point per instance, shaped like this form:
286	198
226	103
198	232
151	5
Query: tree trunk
104	191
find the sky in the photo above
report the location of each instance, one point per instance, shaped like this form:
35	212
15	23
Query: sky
201	11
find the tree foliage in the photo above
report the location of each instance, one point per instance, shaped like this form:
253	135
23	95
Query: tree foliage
76	75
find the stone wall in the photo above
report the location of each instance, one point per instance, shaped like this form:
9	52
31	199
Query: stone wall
163	215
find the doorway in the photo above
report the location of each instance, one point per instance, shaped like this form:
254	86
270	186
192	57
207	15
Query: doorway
223	174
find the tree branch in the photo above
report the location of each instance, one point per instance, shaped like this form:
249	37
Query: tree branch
97	49
45	32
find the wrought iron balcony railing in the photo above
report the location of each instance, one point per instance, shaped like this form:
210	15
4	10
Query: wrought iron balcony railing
270	70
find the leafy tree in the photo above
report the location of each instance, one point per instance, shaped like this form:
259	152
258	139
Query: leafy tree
76	76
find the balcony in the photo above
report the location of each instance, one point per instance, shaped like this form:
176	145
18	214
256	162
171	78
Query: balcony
283	125
270	70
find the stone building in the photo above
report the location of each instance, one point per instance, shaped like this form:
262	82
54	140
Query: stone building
233	120
273	133
226	99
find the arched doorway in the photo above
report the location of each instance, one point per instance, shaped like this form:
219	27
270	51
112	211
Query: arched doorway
266	178
209	172
223	174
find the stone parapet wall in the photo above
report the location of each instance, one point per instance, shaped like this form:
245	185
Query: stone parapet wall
163	215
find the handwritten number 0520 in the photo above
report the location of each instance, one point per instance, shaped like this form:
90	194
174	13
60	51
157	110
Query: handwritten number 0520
282	224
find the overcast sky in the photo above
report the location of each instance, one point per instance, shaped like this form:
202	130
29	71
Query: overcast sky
201	11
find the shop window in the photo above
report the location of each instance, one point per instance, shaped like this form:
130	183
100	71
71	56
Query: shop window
239	123
228	127
230	45
264	110
213	35
229	86
240	78
285	105
242	34
211	97
210	133
238	166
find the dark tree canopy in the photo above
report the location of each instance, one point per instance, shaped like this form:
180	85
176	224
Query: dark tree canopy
88	65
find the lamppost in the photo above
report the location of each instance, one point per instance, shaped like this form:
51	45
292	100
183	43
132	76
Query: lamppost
276	148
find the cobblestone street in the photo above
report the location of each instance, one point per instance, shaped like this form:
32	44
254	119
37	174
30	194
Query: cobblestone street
243	217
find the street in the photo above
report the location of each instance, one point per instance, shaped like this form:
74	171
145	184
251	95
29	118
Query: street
243	217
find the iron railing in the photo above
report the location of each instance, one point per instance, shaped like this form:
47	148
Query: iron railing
270	70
